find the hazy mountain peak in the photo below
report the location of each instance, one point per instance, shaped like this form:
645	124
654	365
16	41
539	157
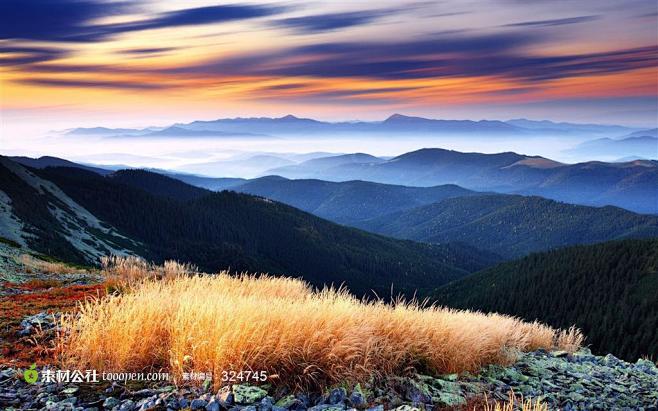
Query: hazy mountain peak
401	117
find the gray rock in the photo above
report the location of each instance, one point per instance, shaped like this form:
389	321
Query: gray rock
266	404
144	393
357	398
127	405
198	404
336	396
70	400
225	397
110	403
70	391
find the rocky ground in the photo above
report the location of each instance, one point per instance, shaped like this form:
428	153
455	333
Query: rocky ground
567	382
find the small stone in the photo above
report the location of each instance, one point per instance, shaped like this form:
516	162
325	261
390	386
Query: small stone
327	407
173	404
198	404
450	399
213	406
418	392
449	377
146	403
70	400
110	402
127	405
266	404
144	393
225	397
70	391
358	398
337	395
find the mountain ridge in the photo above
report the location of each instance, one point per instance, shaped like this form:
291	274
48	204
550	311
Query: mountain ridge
293	125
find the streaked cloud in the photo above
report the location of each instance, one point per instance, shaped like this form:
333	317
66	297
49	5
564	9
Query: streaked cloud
22	55
504	54
76	20
103	84
554	22
330	22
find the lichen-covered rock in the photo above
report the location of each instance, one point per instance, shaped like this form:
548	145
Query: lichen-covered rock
286	402
248	394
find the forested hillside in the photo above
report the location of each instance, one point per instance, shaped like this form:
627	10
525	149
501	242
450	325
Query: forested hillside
247	233
158	184
512	225
609	290
350	201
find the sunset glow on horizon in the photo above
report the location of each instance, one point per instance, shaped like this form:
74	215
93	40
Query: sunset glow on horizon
80	62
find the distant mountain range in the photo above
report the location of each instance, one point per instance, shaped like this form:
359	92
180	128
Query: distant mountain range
569	128
395	124
634	145
319	166
78	215
630	185
607	290
347	202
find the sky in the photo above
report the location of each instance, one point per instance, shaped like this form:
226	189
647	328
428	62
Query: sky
70	63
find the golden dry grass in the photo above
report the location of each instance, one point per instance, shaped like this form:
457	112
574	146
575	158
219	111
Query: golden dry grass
514	404
299	336
131	269
32	264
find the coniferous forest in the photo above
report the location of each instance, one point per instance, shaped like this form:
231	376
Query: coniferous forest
608	290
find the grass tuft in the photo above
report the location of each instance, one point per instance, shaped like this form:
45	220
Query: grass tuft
307	338
37	265
129	270
514	404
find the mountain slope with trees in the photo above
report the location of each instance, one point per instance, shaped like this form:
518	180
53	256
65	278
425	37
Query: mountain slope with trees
247	233
512	225
608	290
350	201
